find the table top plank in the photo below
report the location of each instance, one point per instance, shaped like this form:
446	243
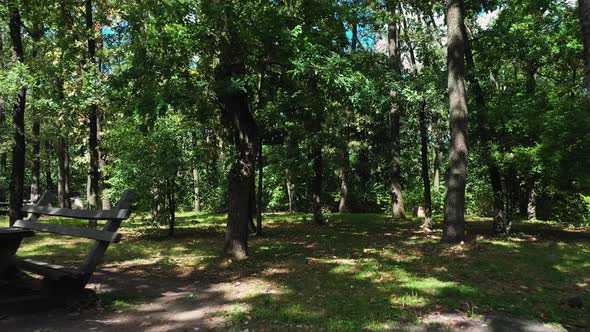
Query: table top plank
10	233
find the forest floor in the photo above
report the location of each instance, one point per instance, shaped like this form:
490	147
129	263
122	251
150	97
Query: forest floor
359	272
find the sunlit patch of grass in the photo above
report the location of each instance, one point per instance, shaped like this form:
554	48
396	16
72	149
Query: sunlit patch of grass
362	272
115	301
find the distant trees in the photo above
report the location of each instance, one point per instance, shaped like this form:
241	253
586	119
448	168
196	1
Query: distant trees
337	105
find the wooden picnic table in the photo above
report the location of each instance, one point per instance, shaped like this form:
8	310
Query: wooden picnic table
10	239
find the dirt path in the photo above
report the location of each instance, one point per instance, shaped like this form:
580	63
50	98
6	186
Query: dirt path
201	302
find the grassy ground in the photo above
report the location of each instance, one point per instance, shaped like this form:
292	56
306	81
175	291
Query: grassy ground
360	271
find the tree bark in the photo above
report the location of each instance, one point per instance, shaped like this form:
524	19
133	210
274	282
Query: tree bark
532	202
48	170
18	120
454	220
316	184
171	206
36	169
102	164
502	223
585	27
260	188
397	200
238	117
427	224
93	170
63	173
344	177
290	191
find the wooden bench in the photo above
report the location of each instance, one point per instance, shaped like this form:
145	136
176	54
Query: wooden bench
59	279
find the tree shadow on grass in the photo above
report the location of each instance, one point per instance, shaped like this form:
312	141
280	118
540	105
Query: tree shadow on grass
360	272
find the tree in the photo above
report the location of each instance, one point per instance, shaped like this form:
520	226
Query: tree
393	43
584	7
238	118
18	120
454	219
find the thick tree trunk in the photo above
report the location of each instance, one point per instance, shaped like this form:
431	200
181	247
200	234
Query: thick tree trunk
260	188
454	220
585	24
397	201
48	170
344	177
36	169
238	117
63	174
316	184
18	120
502	223
427	224
290	191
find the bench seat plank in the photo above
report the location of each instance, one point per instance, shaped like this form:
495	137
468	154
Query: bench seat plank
78	214
88	233
51	271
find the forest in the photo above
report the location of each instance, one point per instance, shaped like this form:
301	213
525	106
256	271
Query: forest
453	119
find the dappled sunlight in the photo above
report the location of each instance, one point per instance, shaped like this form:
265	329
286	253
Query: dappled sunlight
305	277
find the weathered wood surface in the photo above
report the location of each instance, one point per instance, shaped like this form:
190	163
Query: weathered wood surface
11	233
51	271
97	252
83	232
60	280
78	214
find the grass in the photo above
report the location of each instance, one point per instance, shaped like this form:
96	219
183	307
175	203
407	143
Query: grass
361	271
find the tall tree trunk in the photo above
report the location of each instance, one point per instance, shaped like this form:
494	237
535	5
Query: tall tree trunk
502	223
425	168
48	170
36	169
316	184
63	173
436	167
196	189
585	24
260	188
427	224
238	117
344	177
290	190
93	171
102	164
37	34
532	203
18	120
3	157
171	206
397	200
454	220
196	178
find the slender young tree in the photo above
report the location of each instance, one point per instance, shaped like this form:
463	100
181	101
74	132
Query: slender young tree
454	219
585	26
18	120
93	171
502	223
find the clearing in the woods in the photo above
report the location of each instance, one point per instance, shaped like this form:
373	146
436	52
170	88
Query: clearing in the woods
360	272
